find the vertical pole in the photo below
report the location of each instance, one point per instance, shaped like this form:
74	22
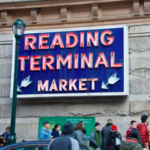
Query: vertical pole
12	138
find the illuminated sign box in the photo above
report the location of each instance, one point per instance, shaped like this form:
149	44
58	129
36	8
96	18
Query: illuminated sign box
88	61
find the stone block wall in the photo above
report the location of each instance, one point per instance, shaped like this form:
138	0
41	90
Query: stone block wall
121	109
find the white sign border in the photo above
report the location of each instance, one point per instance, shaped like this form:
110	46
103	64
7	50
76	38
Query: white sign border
126	65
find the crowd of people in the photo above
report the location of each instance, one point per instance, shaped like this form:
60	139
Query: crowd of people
107	138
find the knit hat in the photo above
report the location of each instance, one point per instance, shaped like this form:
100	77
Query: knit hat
113	128
68	129
8	128
97	124
144	118
46	122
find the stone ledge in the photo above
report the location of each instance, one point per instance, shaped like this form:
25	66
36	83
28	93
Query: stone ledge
139	44
139	63
139	108
139	75
132	97
139	29
5	80
5	101
6	37
5	61
139	97
20	120
134	30
25	5
115	107
8	51
140	54
139	86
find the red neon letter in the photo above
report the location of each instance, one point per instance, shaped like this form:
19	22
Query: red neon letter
91	38
85	60
42	86
112	60
101	60
67	59
22	62
75	61
57	41
30	43
32	63
110	39
49	63
93	83
72	84
61	85
68	35
41	41
81	84
53	86
82	39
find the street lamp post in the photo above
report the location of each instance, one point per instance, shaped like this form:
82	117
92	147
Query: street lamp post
18	30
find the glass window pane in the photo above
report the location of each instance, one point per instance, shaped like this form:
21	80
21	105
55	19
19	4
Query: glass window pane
20	29
29	147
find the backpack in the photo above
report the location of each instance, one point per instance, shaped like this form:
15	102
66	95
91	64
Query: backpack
118	142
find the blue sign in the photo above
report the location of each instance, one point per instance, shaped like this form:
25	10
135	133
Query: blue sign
89	61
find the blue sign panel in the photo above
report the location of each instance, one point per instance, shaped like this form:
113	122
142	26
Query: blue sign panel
89	61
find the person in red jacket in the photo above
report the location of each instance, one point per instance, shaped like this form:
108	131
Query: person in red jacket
142	127
133	125
148	127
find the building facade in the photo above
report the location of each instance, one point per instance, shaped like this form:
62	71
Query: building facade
47	14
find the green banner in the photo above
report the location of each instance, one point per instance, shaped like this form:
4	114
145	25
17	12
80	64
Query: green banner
88	121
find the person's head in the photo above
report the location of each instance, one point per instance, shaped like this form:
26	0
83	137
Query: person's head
79	126
8	129
144	119
97	126
133	124
133	134
68	129
109	121
57	127
113	128
46	124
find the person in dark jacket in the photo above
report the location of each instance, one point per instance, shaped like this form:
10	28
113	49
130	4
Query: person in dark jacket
79	134
96	137
56	131
65	141
142	127
105	132
111	141
5	136
132	142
